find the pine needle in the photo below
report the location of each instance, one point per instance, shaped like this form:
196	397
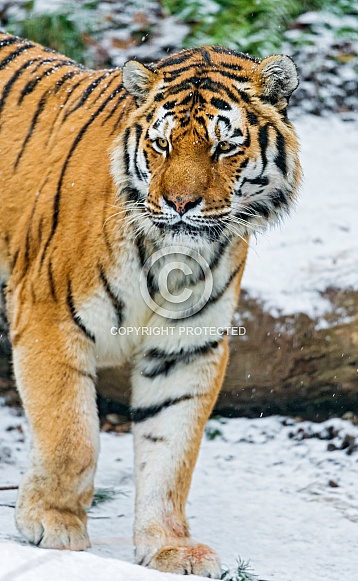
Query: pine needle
244	572
102	495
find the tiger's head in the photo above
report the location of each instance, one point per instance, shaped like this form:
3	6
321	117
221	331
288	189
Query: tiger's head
208	148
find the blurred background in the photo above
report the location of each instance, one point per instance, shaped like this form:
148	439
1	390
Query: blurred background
300	300
321	35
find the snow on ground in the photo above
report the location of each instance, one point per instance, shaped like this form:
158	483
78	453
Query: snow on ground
286	503
317	247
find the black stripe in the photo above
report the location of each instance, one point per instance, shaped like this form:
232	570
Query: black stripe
76	318
247	141
154	439
16	75
176	89
30	86
259	207
181	354
40	108
65	78
237	78
115	108
125	147
9	40
186	100
141	249
237	133
159	97
214	298
132	194
196	81
220	104
224	120
118	305
56	202
81	372
169	105
280	159
165	362
138	134
16	256
214	86
202	121
142	414
12	56
39	233
252	118
51	281
206	56
28	234
69	94
230	66
169	76
169	62
161	119
161	368
146	159
244	96
219	253
279	199
85	95
263	142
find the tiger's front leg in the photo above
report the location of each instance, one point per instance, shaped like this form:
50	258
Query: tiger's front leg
173	396
54	368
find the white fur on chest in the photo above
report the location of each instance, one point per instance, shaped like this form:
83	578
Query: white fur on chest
117	342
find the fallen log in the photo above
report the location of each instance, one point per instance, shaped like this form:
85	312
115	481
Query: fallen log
292	365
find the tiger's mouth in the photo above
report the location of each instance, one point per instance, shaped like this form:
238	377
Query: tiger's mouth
210	228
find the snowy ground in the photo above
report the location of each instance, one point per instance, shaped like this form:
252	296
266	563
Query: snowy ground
317	247
286	503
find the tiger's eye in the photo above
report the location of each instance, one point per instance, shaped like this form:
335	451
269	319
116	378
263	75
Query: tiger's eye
224	146
162	143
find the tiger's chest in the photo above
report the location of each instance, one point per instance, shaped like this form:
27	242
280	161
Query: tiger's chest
137	301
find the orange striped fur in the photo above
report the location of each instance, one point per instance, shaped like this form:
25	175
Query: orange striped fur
99	170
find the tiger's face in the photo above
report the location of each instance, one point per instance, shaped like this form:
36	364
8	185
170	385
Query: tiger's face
209	151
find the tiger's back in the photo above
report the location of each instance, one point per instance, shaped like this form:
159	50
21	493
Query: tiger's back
57	123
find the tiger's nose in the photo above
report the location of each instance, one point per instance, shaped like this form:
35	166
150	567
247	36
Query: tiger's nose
181	204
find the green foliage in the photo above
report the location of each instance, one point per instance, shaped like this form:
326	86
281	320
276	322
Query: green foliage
213	433
64	31
102	495
243	572
254	26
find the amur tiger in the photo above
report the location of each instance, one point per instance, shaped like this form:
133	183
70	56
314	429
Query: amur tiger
100	170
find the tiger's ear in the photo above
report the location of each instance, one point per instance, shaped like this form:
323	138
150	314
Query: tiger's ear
278	78
137	80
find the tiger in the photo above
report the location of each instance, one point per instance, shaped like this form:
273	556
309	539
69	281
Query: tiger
101	170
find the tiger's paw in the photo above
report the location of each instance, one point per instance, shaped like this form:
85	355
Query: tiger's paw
53	529
50	528
187	560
